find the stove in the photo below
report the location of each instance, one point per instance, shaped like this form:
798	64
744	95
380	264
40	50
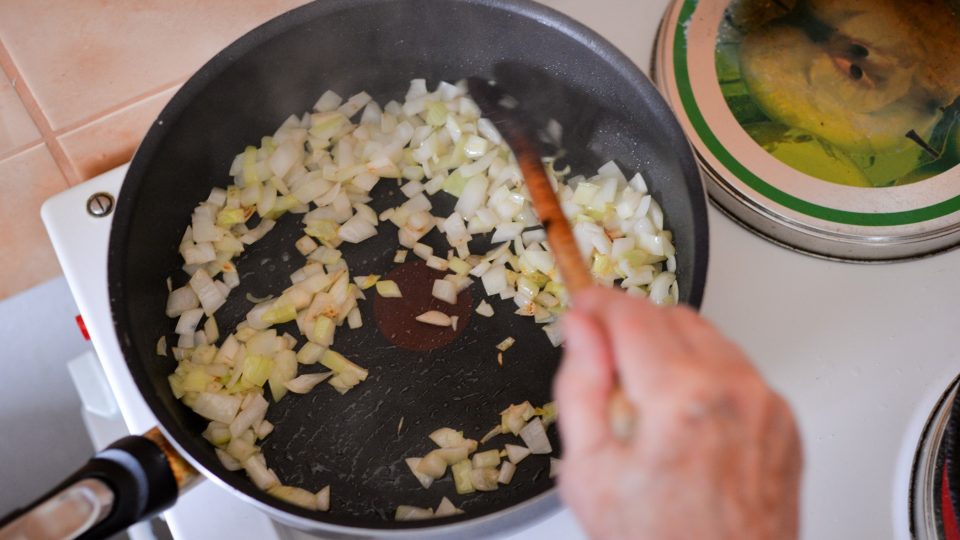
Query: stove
863	353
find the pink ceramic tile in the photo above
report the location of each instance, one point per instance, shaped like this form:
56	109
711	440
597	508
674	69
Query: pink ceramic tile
26	180
83	57
111	140
16	127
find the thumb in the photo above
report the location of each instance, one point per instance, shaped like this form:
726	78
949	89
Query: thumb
583	385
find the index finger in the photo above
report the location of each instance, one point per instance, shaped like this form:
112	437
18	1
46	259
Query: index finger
642	338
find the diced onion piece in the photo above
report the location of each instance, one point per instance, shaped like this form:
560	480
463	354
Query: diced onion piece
305	245
388	289
400	257
307	382
484	478
259	474
219	407
447	438
453	322
507	469
535	437
181	300
162	346
251	414
425	480
495	280
445	291
554	467
354	319
485	309
513	418
434	318
412	513
462	477
446	508
506	344
340	365
211	298
228	461
323	499
263	429
490	458
295	495
423	251
365	282
356	230
437	263
547	413
516	453
433	465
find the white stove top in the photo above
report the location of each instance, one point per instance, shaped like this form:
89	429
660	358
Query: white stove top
861	352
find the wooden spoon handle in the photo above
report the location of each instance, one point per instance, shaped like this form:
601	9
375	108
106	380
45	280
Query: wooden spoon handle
576	275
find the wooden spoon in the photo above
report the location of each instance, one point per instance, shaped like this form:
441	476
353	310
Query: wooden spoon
576	275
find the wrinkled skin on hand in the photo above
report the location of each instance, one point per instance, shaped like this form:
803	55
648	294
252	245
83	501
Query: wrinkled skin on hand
715	452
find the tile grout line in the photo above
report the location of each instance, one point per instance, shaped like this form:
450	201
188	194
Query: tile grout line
21	149
120	106
36	114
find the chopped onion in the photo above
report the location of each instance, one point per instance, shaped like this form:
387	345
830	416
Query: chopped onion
251	414
425	480
462	477
506	344
484	478
261	476
446	508
485	309
388	289
401	256
490	458
448	438
307	382
162	346
535	437
228	461
516	453
423	251
181	300
295	495
445	291
433	465
453	322
219	407
507	469
434	318
323	499
365	282
356	230
554	467
412	513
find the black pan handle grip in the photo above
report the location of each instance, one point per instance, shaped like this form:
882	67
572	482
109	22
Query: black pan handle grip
133	479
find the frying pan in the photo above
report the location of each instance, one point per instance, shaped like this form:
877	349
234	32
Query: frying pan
558	69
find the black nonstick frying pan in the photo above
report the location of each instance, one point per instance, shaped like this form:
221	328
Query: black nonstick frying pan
558	69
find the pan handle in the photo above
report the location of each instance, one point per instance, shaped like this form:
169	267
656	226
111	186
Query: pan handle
133	479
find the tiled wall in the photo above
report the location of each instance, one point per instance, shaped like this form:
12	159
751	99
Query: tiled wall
81	81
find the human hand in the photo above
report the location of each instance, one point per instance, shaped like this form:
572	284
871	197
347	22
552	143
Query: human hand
715	453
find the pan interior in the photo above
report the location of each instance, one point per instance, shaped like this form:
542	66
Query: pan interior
352	442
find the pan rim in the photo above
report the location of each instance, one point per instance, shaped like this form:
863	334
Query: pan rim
524	513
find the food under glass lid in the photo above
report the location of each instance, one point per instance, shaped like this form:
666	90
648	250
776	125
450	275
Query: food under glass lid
825	127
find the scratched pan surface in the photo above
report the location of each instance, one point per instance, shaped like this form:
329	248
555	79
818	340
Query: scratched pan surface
428	378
